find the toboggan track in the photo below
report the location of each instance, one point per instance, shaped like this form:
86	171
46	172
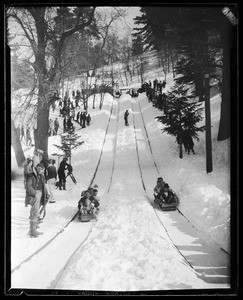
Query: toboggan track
75	215
55	282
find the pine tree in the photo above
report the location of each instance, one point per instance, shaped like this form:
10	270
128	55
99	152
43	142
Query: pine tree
69	142
182	116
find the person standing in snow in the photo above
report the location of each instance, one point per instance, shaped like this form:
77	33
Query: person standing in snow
51	179
36	194
45	163
126	117
77	116
81	119
84	119
88	119
61	173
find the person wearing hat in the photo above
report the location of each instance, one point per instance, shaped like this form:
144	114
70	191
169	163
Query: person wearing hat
61	173
95	199
159	186
36	194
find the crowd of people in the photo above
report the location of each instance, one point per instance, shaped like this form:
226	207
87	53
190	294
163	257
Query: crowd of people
159	100
68	111
40	183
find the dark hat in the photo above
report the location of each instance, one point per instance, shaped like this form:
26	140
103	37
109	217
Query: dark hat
166	185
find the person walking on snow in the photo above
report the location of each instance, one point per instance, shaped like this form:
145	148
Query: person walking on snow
36	194
126	117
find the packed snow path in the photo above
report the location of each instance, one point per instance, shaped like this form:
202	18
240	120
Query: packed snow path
112	257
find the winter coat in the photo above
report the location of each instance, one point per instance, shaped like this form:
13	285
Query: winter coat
31	186
158	188
126	114
168	198
88	119
51	172
62	166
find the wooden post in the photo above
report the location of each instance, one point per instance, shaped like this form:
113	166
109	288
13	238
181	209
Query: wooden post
209	163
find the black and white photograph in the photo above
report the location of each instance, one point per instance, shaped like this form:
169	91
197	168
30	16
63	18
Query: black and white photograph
122	149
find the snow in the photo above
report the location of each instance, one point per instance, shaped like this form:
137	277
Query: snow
127	248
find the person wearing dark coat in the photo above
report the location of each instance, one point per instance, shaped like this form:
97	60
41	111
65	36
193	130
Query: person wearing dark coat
36	195
77	117
81	119
69	123
84	119
61	173
126	117
45	162
167	196
88	119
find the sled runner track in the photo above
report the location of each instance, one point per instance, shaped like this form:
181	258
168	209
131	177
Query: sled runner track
60	231
150	148
59	275
114	157
144	187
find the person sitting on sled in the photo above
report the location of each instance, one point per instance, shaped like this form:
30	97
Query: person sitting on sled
167	196
85	206
159	187
95	200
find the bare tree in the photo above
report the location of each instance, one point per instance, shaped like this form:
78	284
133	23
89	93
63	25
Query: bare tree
47	30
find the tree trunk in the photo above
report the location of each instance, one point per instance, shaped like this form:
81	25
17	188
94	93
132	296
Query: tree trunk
94	99
224	124
19	154
41	132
